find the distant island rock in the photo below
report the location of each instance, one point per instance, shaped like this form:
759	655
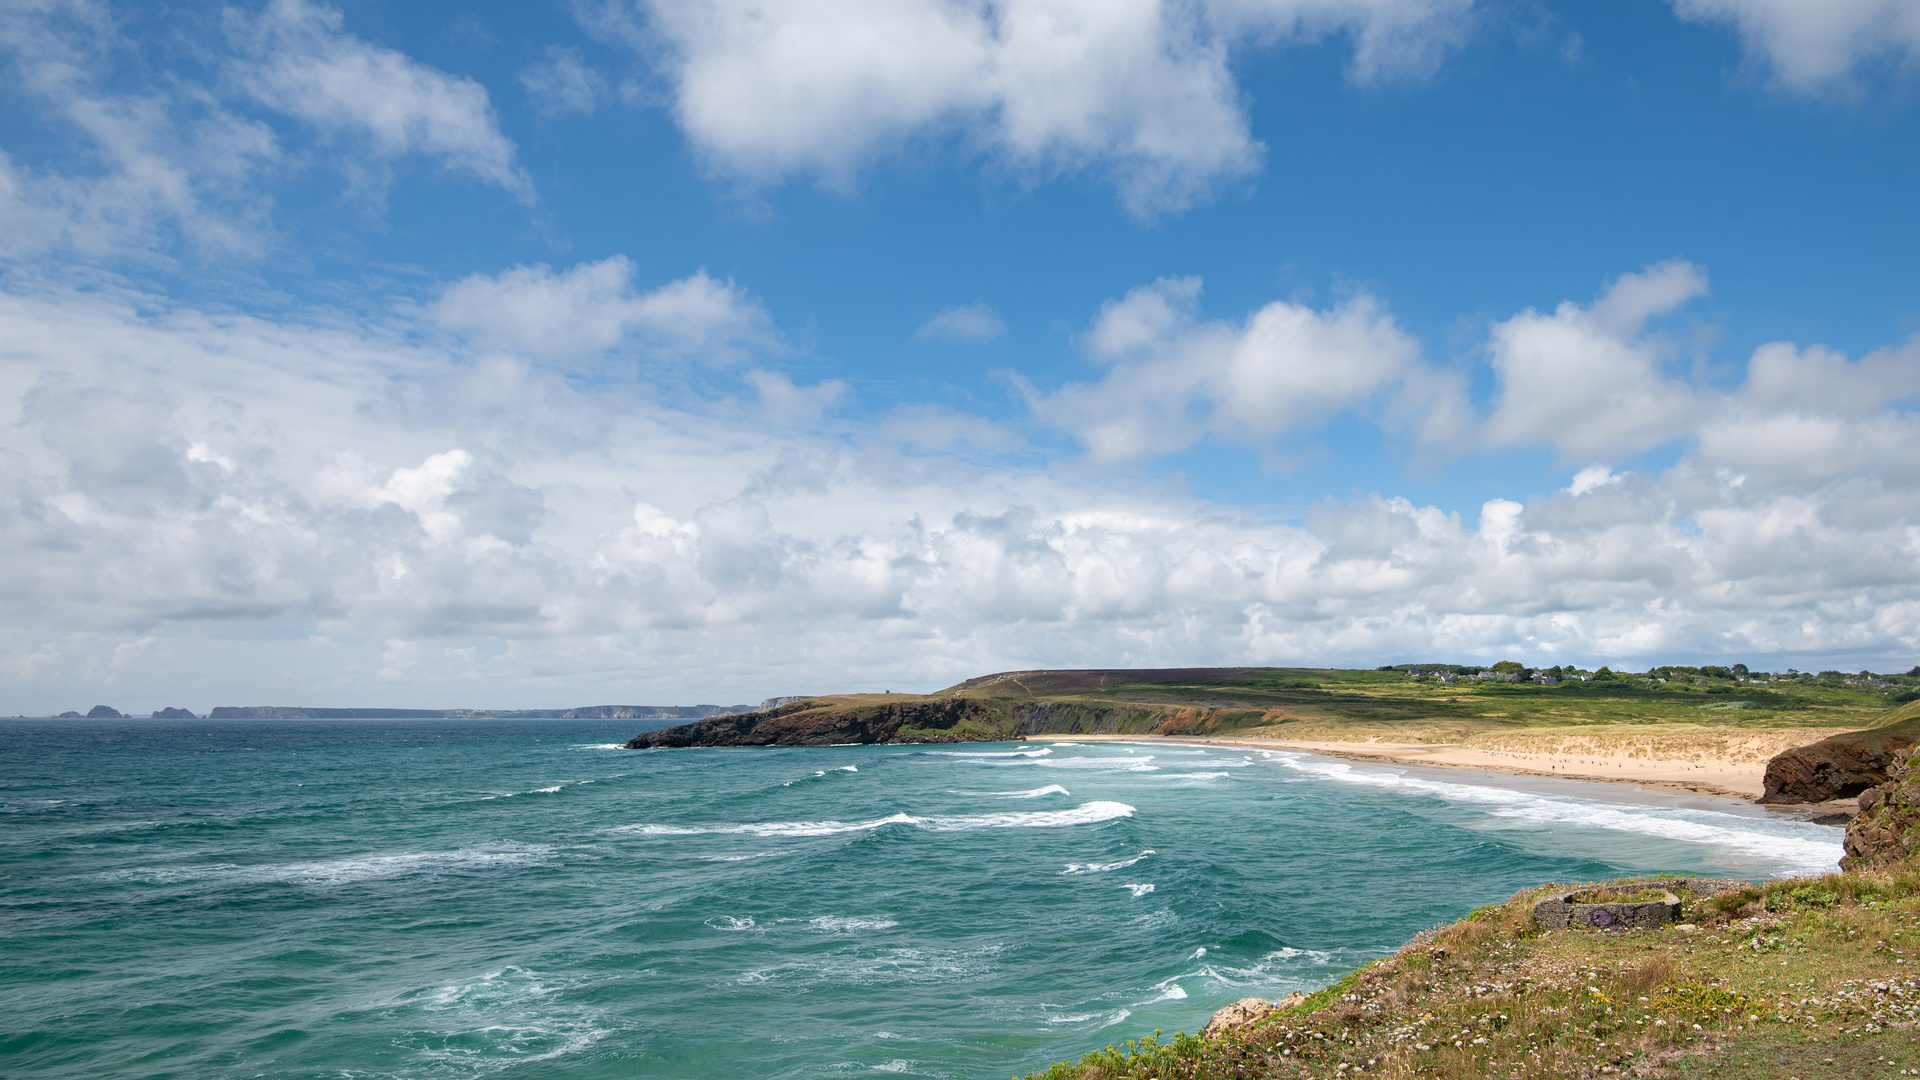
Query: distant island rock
69	715
171	713
103	712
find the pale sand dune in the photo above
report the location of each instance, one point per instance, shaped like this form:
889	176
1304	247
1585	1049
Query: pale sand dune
1728	767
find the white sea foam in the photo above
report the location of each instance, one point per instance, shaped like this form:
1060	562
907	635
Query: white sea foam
1033	793
1177	777
1084	814
1118	1016
1042	752
1077	1018
880	966
500	1020
1169	991
848	768
731	923
1102	764
897	1065
1101	868
354	869
743	858
598	746
1139	891
839	924
1790	846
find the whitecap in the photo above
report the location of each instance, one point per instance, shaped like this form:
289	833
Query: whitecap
743	858
848	768
897	1065
1077	1018
1042	752
838	924
1101	868
1117	1017
1103	764
1084	814
598	746
1169	991
1138	890
350	870
498	1020
1033	793
731	923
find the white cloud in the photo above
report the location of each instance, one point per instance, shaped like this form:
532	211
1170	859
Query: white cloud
1140	90
1816	45
1590	380
561	83
292	508
1175	378
968	322
1811	415
300	62
593	307
165	159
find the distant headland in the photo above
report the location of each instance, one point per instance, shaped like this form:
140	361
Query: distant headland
1788	738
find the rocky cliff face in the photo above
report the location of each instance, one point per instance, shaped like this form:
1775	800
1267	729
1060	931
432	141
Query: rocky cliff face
1887	829
1844	765
823	723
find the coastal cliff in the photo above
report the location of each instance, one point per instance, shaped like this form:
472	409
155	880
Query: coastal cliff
1802	978
945	717
830	721
1844	765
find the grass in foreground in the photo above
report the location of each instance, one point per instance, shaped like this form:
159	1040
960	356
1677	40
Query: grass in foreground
1807	978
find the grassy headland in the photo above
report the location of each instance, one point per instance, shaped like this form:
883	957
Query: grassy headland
1811	978
1715	728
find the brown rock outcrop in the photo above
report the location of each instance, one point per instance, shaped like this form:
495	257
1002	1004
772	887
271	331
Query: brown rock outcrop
1842	766
1248	1012
1887	829
823	722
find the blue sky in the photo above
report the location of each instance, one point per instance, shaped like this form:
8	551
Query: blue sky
479	355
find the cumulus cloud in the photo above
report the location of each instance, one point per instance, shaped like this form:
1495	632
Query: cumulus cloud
301	62
290	509
1142	92
968	322
1589	379
1817	45
594	307
1174	378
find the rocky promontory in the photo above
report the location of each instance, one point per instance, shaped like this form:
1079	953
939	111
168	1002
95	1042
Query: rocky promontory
827	721
1844	765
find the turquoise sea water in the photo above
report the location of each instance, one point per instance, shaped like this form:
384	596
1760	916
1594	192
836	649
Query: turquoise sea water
524	899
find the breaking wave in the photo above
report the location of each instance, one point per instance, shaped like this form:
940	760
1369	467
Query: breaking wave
1084	814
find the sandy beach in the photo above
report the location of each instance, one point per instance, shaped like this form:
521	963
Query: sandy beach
1724	776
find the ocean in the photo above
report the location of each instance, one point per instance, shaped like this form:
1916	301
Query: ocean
524	898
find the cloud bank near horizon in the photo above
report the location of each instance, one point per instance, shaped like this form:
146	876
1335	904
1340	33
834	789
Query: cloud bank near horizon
417	501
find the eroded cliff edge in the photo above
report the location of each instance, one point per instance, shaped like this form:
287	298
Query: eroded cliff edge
827	721
1844	765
